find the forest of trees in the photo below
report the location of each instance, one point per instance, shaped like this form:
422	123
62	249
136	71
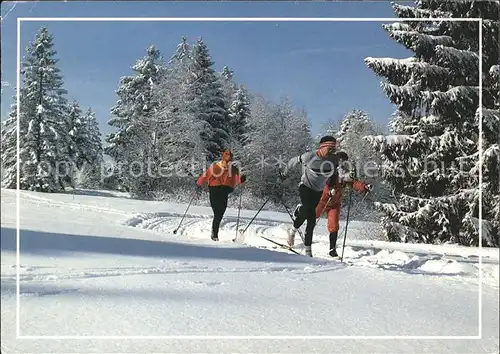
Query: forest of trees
59	144
174	116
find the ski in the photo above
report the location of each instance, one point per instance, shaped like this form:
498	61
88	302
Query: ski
281	245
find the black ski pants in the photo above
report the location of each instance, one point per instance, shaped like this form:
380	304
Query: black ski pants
218	201
309	200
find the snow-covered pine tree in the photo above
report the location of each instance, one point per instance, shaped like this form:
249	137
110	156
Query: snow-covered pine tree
237	101
329	127
91	160
228	85
207	101
42	121
182	53
77	134
73	142
490	138
180	144
227	73
229	88
9	148
427	157
353	127
256	156
134	145
491	161
239	114
94	148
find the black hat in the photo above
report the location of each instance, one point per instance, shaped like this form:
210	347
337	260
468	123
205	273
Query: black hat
327	138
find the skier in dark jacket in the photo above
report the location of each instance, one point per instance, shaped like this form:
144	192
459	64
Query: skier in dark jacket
318	167
222	177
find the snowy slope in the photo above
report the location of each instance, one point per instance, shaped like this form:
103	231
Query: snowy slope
102	265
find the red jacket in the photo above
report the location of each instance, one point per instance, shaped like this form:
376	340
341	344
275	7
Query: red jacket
339	184
220	174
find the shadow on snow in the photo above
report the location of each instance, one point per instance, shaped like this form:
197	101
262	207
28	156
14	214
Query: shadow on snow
53	244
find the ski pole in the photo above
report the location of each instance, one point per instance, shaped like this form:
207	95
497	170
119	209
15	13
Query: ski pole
291	217
192	198
324	208
257	213
238	218
346	224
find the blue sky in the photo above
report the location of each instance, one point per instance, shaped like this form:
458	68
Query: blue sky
318	65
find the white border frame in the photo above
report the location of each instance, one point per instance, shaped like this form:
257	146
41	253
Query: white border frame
248	19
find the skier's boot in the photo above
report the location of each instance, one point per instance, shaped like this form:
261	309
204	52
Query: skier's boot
309	251
291	236
214	236
333	244
333	253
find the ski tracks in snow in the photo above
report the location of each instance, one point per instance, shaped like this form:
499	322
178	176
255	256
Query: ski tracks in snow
57	274
457	266
42	281
448	262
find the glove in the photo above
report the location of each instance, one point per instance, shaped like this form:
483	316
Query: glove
331	193
201	188
243	178
369	187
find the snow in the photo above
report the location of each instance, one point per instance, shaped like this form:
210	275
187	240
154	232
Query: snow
421	38
40	109
393	61
99	263
390	140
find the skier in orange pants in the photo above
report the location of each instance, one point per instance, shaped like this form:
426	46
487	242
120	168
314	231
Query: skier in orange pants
330	201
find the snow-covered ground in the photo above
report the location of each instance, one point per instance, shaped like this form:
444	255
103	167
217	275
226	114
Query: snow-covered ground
101	264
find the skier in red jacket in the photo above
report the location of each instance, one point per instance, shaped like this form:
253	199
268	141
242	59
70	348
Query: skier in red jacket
331	199
222	177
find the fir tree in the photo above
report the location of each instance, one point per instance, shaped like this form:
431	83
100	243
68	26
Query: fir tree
94	149
353	128
228	86
429	155
9	149
182	52
239	114
91	152
490	160
134	145
42	121
77	134
207	101
180	131
237	101
227	74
